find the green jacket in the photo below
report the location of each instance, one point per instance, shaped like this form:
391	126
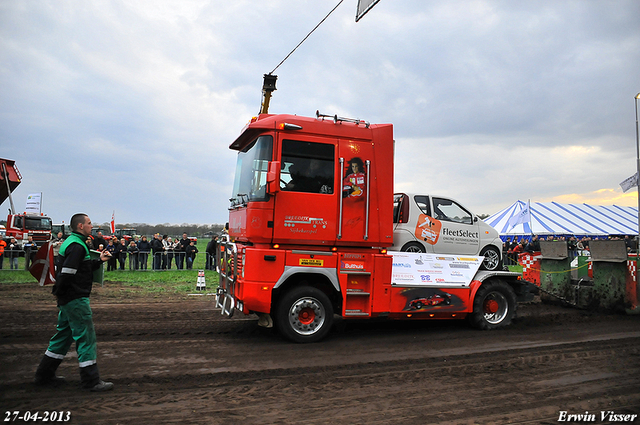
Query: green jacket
74	270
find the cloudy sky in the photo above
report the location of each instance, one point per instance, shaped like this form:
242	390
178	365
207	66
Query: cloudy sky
131	105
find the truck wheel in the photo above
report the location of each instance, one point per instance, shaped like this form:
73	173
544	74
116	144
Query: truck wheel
413	247
304	314
494	306
492	258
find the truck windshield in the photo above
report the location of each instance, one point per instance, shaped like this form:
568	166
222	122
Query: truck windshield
250	183
37	223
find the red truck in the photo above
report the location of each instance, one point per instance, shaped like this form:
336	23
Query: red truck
310	221
21	226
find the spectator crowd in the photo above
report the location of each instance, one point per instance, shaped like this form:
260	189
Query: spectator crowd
164	252
159	253
511	249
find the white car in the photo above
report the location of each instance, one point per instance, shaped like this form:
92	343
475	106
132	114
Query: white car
435	224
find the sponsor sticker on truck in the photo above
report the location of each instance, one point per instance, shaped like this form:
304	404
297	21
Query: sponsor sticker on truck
420	269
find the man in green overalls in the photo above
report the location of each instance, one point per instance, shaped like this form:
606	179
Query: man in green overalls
74	280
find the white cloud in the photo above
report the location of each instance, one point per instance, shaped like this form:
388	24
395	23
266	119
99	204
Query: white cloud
134	103
487	174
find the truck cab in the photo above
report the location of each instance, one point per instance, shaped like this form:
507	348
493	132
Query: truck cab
305	181
127	233
21	226
64	228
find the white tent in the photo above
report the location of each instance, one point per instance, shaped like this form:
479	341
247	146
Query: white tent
552	218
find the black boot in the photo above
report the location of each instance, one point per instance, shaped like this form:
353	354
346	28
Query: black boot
90	378
46	372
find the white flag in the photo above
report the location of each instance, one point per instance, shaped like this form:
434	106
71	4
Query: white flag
363	7
629	182
34	201
524	216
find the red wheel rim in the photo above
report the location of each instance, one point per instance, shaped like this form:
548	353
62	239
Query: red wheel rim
491	306
306	316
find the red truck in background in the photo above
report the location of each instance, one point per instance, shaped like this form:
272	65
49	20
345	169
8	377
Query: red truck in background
127	233
21	226
310	221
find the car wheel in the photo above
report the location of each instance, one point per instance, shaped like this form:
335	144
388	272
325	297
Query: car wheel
492	260
493	306
413	247
304	314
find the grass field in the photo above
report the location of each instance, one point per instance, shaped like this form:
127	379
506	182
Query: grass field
127	285
517	269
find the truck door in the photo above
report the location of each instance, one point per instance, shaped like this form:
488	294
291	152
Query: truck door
459	232
15	226
305	206
358	187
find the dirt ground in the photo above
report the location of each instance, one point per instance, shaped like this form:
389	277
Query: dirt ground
180	361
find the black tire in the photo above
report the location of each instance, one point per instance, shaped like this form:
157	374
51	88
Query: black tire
492	260
304	314
493	306
413	247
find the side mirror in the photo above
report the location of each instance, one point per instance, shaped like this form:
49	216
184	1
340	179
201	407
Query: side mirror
273	177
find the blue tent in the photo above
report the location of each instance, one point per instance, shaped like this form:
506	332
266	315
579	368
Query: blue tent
552	218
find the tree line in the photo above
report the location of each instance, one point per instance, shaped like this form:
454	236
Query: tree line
197	230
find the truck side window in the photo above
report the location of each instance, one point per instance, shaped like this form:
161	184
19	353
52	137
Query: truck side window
447	210
307	167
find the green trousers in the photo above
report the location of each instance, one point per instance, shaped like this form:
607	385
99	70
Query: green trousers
75	323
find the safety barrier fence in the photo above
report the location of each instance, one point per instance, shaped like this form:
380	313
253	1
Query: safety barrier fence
605	280
513	258
17	259
581	265
157	261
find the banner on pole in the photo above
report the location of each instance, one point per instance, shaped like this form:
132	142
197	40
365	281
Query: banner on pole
629	182
524	216
34	203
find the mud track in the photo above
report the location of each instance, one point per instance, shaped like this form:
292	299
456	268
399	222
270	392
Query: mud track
182	362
